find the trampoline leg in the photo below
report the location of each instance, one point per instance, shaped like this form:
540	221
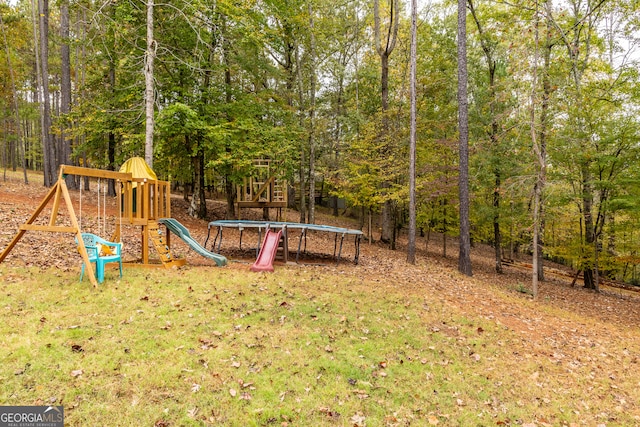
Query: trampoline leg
213	246
204	245
303	233
340	252
305	240
259	242
220	242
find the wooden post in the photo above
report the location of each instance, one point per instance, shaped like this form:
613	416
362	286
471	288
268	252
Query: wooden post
22	230
56	202
74	223
145	244
285	244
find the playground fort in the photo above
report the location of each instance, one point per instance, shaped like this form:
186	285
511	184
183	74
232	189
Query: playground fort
144	201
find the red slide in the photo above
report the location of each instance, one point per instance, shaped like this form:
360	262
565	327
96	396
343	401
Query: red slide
267	252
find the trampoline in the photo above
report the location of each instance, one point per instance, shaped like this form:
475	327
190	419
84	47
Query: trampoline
241	225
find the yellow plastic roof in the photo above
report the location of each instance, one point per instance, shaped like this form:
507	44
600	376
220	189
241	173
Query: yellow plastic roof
138	168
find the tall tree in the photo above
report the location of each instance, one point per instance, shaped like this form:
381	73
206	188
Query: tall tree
312	116
464	256
411	247
538	150
37	86
384	47
48	140
14	93
539	139
65	89
227	170
342	66
489	50
543	136
149	92
580	40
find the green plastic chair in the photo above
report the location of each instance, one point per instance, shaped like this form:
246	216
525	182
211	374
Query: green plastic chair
94	246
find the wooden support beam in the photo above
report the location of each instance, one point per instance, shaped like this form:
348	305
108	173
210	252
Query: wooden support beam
56	205
145	244
262	189
74	222
59	190
262	204
94	173
51	228
35	214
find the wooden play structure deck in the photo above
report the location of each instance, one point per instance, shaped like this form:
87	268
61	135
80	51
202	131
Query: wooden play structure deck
141	202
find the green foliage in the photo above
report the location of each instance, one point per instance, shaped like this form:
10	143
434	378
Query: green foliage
361	181
234	80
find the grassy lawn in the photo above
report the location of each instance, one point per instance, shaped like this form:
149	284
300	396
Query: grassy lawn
304	346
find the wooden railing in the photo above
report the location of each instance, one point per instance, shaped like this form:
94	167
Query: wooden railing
144	200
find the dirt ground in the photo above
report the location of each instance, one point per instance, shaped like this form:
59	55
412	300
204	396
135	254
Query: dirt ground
612	311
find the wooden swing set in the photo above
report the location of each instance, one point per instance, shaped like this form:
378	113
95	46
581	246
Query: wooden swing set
141	202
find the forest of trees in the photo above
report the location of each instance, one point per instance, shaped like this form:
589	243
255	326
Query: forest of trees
201	88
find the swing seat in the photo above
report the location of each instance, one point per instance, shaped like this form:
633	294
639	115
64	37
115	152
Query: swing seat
100	257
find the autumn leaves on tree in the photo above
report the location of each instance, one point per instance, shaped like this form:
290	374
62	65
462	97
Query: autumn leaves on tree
324	90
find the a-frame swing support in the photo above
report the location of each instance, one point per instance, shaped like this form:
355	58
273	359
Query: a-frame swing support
57	192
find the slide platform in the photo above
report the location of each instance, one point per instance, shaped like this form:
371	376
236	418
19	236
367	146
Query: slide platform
181	231
264	262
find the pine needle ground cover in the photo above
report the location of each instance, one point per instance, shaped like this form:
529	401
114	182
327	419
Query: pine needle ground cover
304	346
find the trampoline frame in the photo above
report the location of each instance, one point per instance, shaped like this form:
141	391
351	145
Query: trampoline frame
285	226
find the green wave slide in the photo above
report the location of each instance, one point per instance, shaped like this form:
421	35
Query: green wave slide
181	231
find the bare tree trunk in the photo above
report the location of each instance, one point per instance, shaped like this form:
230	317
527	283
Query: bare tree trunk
444	227
464	256
111	145
15	101
444	244
48	145
230	196
111	156
493	136
589	229
37	85
544	126
338	131
537	187
4	150
65	89
596	267
411	247
230	189
312	112
540	150
9	146
149	86
198	205
81	56
497	235
303	209
384	51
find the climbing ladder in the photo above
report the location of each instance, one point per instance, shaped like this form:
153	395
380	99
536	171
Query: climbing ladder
162	247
